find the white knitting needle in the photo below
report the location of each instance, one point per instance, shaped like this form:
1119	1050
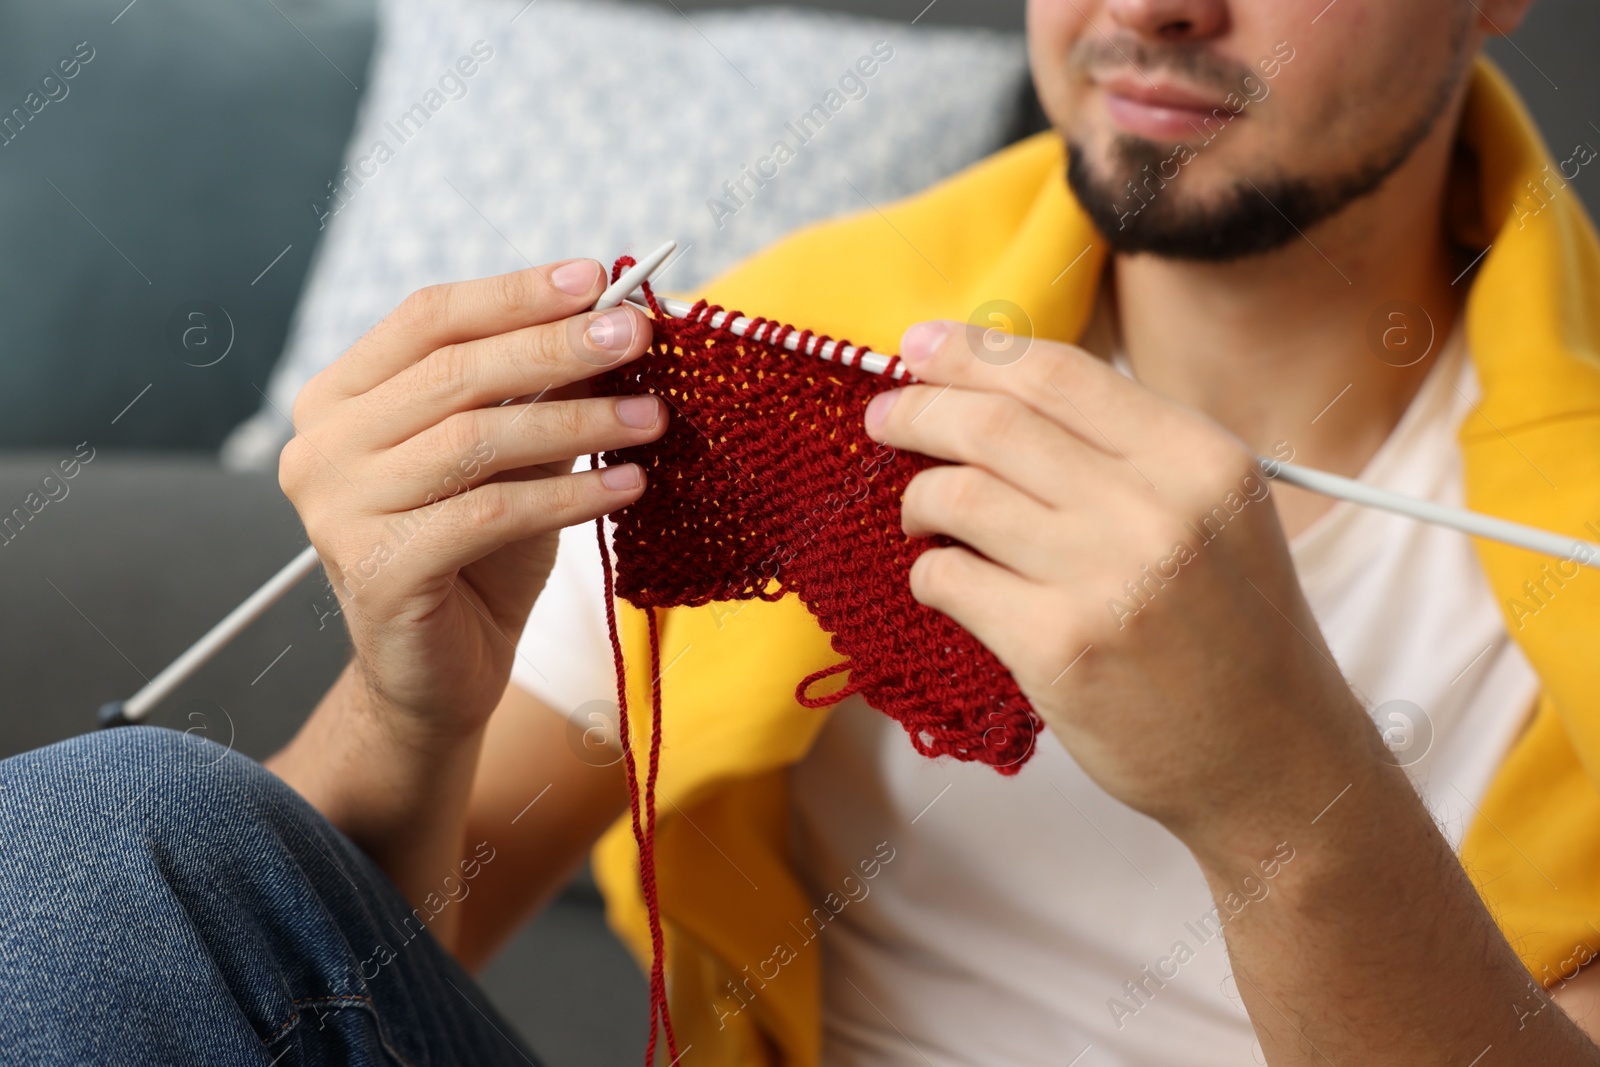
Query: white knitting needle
137	707
1575	550
833	351
1532	538
634	277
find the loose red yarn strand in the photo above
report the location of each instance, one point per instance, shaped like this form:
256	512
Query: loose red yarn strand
643	829
658	976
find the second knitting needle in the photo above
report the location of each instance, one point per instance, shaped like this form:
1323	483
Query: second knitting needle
1576	550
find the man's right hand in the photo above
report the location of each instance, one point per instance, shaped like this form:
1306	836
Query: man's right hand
434	506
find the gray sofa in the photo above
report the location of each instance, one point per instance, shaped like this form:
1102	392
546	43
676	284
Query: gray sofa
177	168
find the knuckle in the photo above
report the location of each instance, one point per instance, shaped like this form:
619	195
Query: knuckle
460	435
445	372
560	495
487	506
996	418
958	490
1058	376
552	344
308	401
292	467
424	306
564	421
1054	368
517	291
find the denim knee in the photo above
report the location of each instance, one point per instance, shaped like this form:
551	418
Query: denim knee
166	900
152	874
103	825
135	776
109	818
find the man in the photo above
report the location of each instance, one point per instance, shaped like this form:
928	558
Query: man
1272	180
1277	214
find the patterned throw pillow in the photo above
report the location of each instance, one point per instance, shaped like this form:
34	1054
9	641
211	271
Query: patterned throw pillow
497	134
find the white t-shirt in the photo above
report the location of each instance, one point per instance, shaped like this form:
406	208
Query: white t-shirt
1034	919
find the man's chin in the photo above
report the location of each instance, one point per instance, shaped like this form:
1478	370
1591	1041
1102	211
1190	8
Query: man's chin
1138	211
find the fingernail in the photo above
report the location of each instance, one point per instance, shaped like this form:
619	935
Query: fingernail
575	278
878	410
639	412
920	343
621	478
610	331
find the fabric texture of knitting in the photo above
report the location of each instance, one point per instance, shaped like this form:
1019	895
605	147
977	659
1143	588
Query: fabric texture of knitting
766	484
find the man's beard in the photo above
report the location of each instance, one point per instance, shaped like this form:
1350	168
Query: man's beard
1253	216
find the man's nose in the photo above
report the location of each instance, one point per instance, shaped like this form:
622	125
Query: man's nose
1171	20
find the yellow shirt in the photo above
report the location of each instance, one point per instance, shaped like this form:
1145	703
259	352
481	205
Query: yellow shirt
1009	229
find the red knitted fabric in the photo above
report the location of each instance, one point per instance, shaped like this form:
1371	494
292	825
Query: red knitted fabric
766	484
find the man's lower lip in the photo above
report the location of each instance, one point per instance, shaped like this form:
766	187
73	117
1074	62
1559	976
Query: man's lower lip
1159	123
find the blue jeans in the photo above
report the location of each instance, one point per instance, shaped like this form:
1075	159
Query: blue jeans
166	901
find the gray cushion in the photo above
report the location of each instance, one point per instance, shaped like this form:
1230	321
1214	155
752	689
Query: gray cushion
499	134
994	14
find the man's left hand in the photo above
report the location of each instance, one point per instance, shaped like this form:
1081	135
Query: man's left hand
1124	560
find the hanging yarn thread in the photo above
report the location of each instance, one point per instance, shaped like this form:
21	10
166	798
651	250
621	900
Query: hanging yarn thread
766	484
644	821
